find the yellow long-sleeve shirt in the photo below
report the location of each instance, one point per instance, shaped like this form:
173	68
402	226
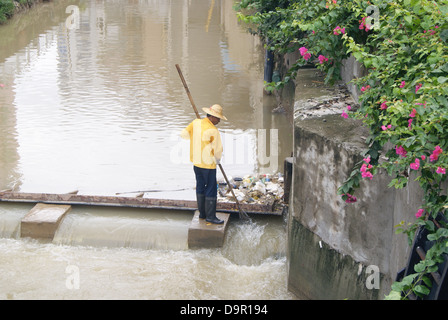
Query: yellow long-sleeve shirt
205	143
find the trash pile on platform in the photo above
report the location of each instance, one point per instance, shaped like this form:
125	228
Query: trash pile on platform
264	189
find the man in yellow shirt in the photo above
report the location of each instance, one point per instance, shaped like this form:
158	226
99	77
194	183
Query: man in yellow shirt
205	153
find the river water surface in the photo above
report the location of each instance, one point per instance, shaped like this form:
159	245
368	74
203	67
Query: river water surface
90	100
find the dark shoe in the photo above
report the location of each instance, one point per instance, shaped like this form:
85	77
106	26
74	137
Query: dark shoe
200	198
210	211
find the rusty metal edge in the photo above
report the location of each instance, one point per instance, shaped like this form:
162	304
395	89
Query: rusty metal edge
130	202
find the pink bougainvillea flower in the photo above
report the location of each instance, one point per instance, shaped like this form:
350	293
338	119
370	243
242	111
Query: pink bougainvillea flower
435	154
350	198
363	168
441	170
415	165
363	25
338	31
417	87
364	89
304	52
383	106
419	213
344	114
322	59
433	157
403	83
413	113
365	173
410	124
401	151
421	104
386	127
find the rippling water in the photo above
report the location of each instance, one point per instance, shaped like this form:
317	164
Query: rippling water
99	109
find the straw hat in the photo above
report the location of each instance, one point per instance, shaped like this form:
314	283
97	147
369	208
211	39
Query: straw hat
216	111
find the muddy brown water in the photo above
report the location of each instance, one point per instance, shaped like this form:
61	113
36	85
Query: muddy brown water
90	100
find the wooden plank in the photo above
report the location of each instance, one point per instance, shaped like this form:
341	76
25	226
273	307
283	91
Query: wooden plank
202	234
132	202
43	221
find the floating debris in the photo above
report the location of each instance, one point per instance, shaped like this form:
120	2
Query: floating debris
264	189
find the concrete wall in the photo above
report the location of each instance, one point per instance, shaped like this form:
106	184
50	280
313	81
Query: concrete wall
335	248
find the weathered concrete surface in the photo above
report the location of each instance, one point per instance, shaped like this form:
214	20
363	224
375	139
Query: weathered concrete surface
43	221
321	272
352	69
332	243
202	234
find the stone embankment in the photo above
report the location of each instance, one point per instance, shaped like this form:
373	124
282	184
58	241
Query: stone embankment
339	250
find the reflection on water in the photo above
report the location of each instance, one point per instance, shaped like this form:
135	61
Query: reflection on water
99	108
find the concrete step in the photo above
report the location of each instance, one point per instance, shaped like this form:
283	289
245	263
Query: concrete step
43	220
202	234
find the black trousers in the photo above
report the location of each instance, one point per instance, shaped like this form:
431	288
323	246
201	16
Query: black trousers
206	181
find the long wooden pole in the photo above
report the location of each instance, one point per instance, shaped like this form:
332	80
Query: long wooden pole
243	215
188	91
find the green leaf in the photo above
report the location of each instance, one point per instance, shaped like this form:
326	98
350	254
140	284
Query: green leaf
427	281
409	279
357	55
420	267
442	80
444	35
422	289
408	19
393	295
440	233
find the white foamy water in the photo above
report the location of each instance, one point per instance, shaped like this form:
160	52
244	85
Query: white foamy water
128	254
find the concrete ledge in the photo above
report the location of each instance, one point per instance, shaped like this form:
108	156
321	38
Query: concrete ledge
43	221
202	234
